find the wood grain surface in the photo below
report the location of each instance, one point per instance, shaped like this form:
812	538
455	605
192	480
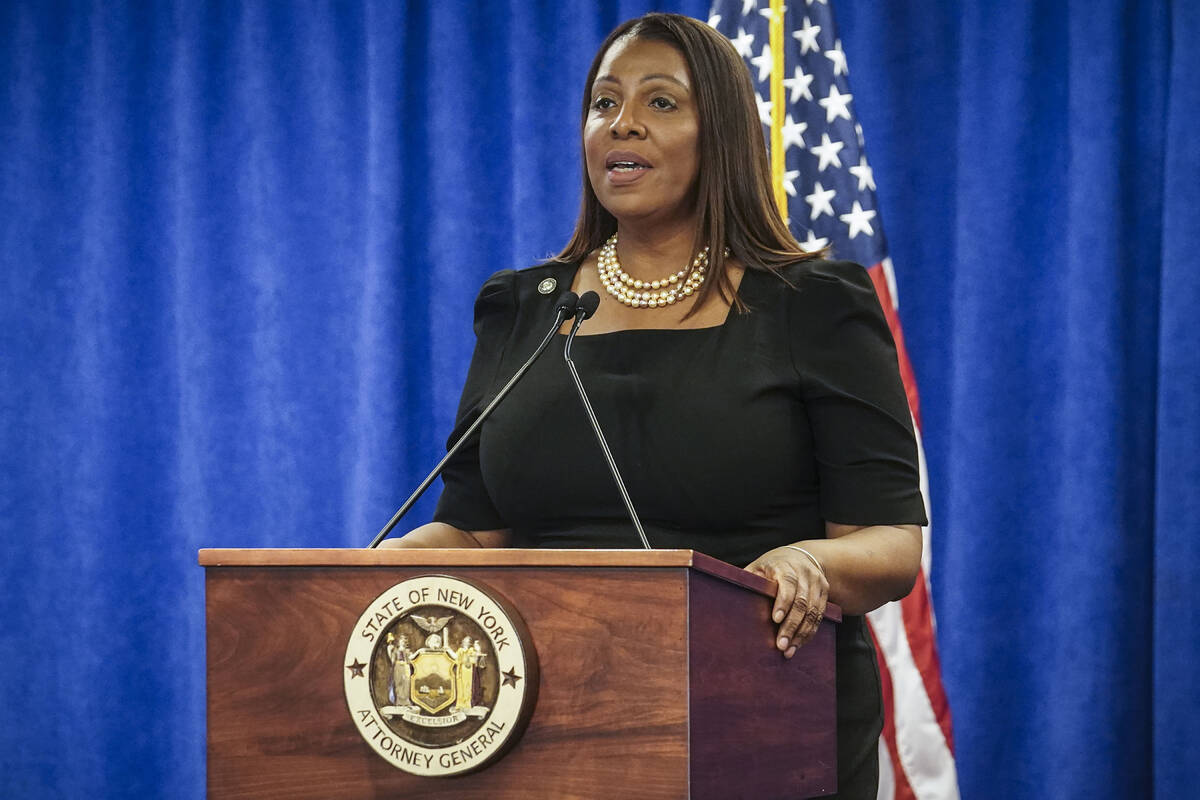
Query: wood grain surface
761	726
612	706
613	719
483	557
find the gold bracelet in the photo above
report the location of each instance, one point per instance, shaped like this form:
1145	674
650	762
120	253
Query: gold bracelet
810	556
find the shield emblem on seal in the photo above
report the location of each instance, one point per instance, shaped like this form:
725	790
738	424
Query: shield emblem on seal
433	685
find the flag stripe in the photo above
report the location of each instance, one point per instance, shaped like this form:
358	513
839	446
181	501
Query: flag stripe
898	787
887	775
891	312
922	752
916	607
916	611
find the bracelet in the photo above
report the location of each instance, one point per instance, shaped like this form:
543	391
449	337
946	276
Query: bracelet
811	557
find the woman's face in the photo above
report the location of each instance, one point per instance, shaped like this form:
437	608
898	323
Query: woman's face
641	138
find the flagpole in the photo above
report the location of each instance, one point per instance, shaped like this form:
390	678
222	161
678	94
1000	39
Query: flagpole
778	164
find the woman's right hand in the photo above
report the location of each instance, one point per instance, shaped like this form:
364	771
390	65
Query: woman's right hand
439	534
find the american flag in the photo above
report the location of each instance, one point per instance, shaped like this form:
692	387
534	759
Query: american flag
824	182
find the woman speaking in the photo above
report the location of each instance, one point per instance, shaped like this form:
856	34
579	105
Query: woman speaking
749	390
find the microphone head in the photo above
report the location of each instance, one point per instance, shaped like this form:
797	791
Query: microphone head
567	302
588	304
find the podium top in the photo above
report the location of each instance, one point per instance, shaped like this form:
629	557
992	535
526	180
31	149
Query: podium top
484	557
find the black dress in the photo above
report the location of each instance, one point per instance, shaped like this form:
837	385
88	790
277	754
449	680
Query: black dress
732	440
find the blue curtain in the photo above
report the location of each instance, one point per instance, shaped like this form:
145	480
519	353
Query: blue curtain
240	244
1038	168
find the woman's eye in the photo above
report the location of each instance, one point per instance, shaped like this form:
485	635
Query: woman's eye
662	103
603	102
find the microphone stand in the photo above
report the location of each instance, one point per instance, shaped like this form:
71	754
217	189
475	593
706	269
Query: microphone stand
565	309
587	307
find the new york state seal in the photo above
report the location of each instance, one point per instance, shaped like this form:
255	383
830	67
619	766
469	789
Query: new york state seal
440	675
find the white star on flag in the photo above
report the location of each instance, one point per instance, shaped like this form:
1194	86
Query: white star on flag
793	133
813	243
807	37
743	42
764	109
859	221
763	62
789	181
748	6
827	151
838	58
819	201
835	104
798	85
769	13
810	2
714	21
864	173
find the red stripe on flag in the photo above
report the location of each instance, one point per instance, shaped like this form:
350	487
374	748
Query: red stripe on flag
879	278
904	790
917	613
916	608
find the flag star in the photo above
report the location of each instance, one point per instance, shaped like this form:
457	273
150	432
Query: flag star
822	2
835	104
764	110
858	132
807	37
858	220
827	151
743	42
789	181
799	85
748	6
865	175
793	133
769	13
812	244
818	201
763	62
838	58
714	21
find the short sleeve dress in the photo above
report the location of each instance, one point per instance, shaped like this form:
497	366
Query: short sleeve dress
732	440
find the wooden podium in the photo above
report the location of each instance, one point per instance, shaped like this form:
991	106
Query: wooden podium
659	678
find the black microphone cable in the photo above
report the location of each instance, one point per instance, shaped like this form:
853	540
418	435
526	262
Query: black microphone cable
564	309
587	306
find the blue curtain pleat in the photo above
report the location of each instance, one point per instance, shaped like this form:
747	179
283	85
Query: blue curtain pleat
240	245
1175	539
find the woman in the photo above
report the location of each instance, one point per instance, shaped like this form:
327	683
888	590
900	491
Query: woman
750	391
399	656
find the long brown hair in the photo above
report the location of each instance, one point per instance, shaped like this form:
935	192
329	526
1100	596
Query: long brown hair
734	200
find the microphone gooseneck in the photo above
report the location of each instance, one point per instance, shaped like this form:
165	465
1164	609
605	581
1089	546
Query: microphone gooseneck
564	309
587	306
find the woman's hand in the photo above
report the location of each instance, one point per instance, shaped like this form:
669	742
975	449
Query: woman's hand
439	534
800	600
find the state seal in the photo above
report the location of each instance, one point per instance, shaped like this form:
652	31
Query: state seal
440	675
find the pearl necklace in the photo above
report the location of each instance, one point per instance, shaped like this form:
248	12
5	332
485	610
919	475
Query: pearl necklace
648	294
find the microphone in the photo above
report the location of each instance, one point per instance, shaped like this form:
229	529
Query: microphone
587	306
564	309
